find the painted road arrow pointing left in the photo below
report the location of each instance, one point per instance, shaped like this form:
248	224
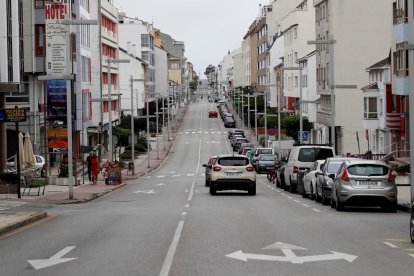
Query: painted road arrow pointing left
54	260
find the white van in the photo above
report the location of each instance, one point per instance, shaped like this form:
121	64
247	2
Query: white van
301	158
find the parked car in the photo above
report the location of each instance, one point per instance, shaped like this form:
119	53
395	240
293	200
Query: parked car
244	147
40	162
364	182
208	167
229	122
301	157
261	151
234	131
235	137
309	180
233	172
238	142
212	114
324	180
265	162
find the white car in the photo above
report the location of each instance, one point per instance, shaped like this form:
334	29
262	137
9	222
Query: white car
40	162
300	158
309	180
232	172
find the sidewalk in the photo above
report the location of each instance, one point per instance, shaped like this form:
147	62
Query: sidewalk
11	219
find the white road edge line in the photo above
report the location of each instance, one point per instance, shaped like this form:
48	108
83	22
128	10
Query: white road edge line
316	210
165	270
304	205
391	245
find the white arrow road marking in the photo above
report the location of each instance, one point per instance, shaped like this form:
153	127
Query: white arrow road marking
54	260
412	255
161	184
281	245
187	142
290	256
145	192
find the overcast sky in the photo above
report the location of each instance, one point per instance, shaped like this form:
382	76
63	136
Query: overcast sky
209	28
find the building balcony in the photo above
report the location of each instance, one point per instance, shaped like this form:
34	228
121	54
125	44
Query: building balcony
370	123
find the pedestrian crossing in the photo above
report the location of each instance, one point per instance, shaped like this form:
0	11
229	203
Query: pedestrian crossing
197	131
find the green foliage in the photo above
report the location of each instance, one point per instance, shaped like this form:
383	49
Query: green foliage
194	83
292	125
122	134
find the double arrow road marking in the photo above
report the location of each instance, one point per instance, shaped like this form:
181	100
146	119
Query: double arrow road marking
290	256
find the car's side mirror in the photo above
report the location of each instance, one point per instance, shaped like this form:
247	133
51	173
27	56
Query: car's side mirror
331	176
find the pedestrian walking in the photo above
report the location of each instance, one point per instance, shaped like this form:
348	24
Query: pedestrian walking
94	168
88	163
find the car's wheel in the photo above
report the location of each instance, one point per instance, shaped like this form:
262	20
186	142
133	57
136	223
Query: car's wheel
291	188
325	200
304	195
392	207
311	194
212	190
207	183
317	197
339	206
252	190
332	202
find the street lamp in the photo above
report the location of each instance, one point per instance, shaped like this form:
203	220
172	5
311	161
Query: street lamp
410	46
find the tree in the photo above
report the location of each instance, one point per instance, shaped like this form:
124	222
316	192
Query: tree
194	83
292	125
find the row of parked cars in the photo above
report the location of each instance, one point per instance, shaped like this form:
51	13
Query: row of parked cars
225	115
315	172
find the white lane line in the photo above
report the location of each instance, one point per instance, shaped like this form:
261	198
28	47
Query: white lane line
193	132
283	194
175	175
160	176
412	255
391	245
160	184
165	270
316	210
187	132
186	191
297	201
190	174
290	197
146	177
305	205
190	196
187	205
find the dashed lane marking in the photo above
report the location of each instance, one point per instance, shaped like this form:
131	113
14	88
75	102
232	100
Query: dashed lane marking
412	255
305	205
391	245
175	175
160	176
297	201
316	210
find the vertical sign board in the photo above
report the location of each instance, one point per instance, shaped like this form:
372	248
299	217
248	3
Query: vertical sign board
57	38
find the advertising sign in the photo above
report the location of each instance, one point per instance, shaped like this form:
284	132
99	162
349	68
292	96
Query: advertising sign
57	139
13	115
56	100
56	37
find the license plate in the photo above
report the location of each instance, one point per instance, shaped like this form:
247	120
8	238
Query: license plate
368	183
232	173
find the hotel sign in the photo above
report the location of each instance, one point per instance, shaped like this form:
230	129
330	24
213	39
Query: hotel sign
57	37
12	115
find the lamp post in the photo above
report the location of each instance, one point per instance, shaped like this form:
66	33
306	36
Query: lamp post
411	97
300	101
132	80
110	61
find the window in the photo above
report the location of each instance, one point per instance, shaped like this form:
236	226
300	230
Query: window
145	40
401	61
40	3
370	108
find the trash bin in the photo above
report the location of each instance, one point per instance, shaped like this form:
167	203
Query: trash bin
131	167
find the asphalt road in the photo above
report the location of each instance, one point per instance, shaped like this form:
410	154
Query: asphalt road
168	224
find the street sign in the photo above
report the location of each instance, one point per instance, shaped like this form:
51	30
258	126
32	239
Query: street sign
305	135
12	115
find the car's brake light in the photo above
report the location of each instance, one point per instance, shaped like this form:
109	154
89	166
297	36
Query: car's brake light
249	168
256	155
216	168
391	176
295	169
345	176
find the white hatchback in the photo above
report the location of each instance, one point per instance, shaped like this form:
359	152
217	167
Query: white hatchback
232	172
309	180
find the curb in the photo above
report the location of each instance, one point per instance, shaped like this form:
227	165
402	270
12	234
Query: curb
23	222
94	196
404	208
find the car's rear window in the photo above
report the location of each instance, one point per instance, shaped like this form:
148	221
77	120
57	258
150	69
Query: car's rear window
313	154
267	157
233	161
264	151
334	166
368	170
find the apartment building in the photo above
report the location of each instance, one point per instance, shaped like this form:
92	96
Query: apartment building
250	40
263	73
11	67
345	23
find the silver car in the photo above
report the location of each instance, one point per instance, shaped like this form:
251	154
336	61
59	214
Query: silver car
364	182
